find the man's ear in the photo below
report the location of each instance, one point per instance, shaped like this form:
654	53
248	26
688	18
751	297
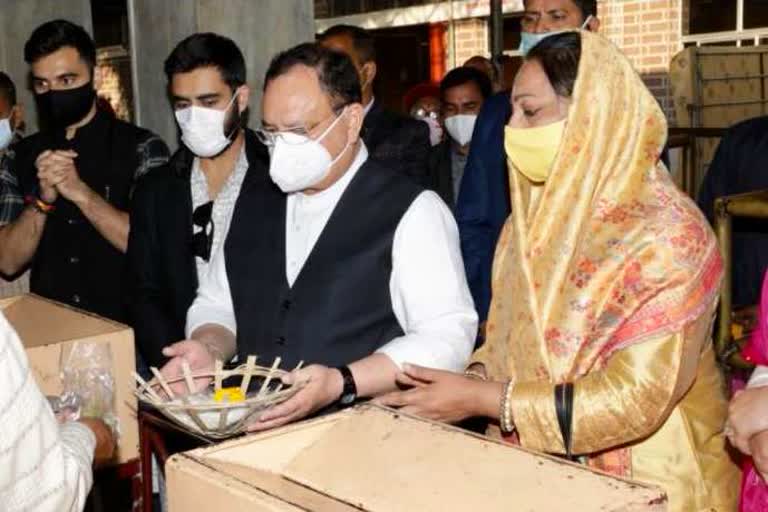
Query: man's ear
355	113
98	76
594	24
369	74
17	117
243	97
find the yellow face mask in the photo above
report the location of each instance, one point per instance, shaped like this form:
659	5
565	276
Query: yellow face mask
533	150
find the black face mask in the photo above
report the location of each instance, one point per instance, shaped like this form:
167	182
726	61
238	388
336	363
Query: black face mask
66	107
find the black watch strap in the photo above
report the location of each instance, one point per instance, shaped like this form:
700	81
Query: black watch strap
349	390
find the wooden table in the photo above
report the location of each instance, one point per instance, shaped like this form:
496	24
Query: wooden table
162	438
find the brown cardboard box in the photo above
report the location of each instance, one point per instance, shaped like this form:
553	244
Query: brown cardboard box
48	328
377	460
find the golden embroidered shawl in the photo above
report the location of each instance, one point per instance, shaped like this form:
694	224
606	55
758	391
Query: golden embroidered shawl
607	276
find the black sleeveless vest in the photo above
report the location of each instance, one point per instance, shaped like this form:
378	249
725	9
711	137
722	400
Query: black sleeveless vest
339	309
73	263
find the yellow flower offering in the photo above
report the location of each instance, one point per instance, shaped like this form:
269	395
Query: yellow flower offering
737	331
230	395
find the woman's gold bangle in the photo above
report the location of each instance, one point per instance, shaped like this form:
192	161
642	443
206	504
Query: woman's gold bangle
472	374
505	413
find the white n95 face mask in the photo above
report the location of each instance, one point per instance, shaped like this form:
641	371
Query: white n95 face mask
298	162
202	129
460	127
6	134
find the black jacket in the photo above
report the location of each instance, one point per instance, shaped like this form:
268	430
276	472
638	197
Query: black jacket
339	309
162	270
441	172
740	165
73	262
399	140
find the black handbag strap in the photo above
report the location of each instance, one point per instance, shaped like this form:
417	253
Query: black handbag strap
564	408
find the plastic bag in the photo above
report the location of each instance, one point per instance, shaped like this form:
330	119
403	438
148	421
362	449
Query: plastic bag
87	381
65	408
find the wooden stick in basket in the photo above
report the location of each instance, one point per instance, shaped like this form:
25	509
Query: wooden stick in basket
264	385
250	363
191	387
146	388
223	419
163	384
298	367
188	376
217	375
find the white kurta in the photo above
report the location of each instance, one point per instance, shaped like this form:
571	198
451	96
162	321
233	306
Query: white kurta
430	297
44	467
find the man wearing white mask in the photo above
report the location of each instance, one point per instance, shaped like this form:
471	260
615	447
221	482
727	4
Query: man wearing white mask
11	115
462	93
181	212
348	266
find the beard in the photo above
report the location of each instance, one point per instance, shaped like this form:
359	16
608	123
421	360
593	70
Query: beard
232	123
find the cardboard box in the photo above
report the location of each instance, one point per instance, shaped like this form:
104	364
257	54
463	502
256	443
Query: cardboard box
377	460
48	329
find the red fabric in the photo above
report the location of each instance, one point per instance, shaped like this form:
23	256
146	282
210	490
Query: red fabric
419	91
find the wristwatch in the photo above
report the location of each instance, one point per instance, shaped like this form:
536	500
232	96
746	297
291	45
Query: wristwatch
349	390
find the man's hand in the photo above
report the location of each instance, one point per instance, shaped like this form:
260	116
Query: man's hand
105	441
323	387
197	354
69	183
747	416
56	169
440	395
50	171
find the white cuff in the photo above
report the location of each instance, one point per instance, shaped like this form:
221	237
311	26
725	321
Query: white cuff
414	349
199	316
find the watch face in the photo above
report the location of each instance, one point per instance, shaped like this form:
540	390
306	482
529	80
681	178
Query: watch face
347	399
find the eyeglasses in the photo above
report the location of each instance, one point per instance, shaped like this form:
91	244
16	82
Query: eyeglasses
423	113
296	136
202	241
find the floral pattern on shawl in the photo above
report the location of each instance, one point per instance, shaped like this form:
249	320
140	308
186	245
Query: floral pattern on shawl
607	252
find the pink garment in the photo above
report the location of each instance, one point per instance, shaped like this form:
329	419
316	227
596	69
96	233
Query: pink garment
754	490
756	351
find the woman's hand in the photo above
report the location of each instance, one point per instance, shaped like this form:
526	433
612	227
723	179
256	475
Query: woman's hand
105	440
443	396
747	416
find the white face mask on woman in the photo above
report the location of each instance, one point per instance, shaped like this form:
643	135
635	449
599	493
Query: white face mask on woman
202	129
298	162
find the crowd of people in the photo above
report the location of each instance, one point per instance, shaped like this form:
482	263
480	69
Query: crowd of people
510	251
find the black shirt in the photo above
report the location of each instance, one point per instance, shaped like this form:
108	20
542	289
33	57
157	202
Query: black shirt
73	263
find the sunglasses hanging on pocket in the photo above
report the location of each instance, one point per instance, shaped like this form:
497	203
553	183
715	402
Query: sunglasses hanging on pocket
202	241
